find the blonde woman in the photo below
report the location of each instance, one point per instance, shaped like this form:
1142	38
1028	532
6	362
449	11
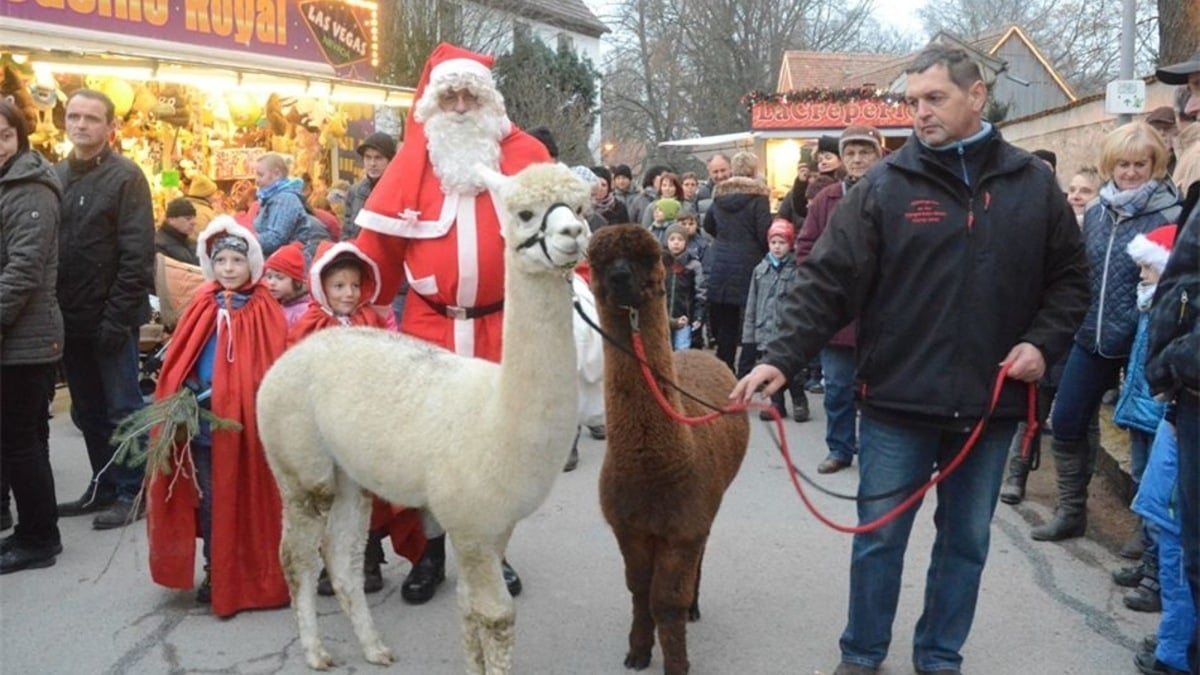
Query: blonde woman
1136	197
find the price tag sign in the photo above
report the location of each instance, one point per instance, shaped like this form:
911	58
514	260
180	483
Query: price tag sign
1125	97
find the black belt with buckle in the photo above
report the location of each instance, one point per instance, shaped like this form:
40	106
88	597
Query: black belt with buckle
452	312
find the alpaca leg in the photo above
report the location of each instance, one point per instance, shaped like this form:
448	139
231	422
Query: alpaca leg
694	610
675	569
345	537
638	551
488	615
303	521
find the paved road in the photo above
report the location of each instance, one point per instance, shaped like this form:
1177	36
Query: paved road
773	599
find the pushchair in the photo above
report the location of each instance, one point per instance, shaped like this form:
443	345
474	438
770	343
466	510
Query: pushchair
175	283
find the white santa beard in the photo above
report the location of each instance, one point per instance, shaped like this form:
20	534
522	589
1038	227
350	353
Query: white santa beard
457	142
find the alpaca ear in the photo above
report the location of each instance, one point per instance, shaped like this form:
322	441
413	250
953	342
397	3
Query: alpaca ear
494	180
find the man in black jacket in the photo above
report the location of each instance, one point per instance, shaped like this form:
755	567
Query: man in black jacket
171	239
957	254
105	276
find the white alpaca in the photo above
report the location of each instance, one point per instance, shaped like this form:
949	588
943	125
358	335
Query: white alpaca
353	411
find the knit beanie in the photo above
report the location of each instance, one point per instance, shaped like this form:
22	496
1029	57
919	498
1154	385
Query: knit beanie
669	207
828	144
676	228
289	261
201	186
1153	249
179	208
622	170
781	227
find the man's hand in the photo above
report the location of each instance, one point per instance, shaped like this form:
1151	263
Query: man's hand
1028	364
764	376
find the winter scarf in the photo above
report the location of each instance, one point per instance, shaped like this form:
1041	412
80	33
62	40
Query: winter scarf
1128	202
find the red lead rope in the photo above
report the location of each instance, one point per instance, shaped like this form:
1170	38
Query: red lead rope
1031	430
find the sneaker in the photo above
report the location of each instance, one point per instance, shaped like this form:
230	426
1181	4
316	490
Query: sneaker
832	464
844	668
87	503
120	514
1148	665
1131	575
20	555
1147	597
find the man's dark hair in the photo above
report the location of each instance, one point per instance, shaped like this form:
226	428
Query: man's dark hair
964	71
547	138
622	170
110	110
17	121
652	173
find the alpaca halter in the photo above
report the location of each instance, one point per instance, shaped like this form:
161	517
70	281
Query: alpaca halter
539	237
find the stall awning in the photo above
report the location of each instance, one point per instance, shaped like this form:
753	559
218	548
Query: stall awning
704	147
87	52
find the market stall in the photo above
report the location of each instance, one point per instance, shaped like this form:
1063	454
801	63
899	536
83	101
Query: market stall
205	87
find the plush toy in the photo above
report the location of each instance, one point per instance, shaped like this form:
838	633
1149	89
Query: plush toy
118	91
13	89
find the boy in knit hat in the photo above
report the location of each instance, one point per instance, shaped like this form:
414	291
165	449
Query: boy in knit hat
773	278
684	282
1138	411
665	211
219	483
284	278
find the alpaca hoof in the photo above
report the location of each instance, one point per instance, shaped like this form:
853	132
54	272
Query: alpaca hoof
379	654
694	613
637	661
319	659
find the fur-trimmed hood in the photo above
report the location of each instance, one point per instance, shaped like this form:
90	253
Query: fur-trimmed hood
326	254
740	185
223	225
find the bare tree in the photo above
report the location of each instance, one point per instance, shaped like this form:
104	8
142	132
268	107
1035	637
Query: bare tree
412	28
678	70
1080	38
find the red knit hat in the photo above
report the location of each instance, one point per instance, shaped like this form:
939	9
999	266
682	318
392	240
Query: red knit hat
398	191
781	227
1153	249
289	261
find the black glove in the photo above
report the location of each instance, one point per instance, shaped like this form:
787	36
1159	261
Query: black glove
111	337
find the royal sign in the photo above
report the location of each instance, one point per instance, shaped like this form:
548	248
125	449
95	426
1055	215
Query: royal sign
829	115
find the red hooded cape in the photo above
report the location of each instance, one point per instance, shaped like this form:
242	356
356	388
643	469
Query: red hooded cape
246	510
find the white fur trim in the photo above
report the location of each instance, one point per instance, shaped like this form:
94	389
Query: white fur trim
467	236
318	265
456	66
407	225
227	225
1146	252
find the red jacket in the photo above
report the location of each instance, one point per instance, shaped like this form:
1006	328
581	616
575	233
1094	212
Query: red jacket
814	224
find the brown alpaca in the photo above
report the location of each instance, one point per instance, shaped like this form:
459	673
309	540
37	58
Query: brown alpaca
662	482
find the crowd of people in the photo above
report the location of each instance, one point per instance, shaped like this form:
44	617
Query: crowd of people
894	282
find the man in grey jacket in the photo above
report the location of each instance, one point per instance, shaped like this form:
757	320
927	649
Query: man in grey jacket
377	151
105	277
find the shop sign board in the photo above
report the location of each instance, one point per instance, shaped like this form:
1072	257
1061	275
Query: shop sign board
333	32
829	114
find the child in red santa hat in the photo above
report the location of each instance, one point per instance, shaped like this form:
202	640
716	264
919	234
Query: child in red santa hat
219	483
284	277
345	285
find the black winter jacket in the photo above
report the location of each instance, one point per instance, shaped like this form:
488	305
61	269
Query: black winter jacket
173	244
31	327
945	279
738	220
1173	356
106	244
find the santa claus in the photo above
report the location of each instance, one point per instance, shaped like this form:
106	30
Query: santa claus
432	220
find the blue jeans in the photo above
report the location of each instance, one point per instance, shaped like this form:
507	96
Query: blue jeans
681	338
1085	378
104	390
841	413
892	456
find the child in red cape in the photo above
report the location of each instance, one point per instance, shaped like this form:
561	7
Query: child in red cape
344	283
220	486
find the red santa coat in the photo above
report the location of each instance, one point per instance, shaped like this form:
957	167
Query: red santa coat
453	254
246	509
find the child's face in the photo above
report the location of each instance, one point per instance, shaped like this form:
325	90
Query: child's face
1149	274
676	243
343	290
282	286
621	182
231	268
779	246
1080	191
688	224
658	215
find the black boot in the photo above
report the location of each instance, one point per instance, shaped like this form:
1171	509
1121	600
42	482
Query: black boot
800	412
204	590
372	559
421	583
1073	461
1013	490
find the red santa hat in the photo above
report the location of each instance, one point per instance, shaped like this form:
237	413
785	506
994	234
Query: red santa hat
781	227
327	253
397	196
289	261
1153	249
225	232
